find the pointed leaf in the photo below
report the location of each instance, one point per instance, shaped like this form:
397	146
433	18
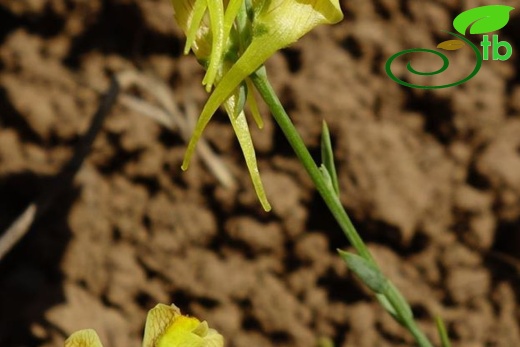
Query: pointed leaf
485	19
366	271
451	45
244	138
243	135
327	157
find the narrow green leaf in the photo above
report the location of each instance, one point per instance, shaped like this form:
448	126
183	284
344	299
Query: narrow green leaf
366	271
327	157
483	19
441	328
244	138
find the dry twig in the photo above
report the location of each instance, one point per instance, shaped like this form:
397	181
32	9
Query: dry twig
169	115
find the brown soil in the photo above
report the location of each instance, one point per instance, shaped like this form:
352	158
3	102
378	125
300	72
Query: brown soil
430	178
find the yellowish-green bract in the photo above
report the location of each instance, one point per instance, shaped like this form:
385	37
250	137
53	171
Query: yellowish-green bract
165	327
212	33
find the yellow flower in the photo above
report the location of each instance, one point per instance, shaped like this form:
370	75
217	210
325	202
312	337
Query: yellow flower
84	338
236	40
165	327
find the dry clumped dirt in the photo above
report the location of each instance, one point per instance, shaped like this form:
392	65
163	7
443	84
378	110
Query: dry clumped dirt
430	178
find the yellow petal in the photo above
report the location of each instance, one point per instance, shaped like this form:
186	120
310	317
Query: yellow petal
286	21
201	329
180	333
277	24
213	339
167	327
158	320
83	338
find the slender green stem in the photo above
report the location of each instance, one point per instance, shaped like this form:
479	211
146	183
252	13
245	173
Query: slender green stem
329	196
419	336
398	302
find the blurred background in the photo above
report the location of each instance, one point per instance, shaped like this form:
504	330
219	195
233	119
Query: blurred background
431	179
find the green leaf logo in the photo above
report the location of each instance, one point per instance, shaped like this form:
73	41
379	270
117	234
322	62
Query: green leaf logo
483	19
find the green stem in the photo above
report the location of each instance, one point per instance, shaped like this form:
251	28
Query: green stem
327	192
419	336
329	196
406	319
